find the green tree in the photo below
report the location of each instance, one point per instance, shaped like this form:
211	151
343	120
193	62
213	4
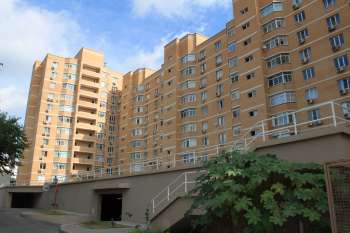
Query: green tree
12	143
251	193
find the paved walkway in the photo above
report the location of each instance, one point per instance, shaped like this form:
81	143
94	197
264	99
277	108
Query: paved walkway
70	222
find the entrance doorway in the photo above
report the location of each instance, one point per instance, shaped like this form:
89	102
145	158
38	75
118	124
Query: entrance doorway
24	200
111	207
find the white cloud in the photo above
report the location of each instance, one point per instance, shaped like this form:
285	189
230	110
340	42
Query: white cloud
12	99
176	8
28	33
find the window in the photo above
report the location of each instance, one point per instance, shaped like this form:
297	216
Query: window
217	45
54	65
139	120
222	138
69	76
234	77
189	71
189	143
305	55
220	121
190	112
236	130
302	35
203	82
333	21
62	142
236	112
300	17
314	115
136	132
273	25
231	47
297	2
245	26
68	86
328	3
42	166
202	55
205	126
67	108
232	62
136	143
311	93
249	58
62	154
135	156
336	42
253	113
344	84
280	78
276	41
219	90
205	141
47	131
231	32
346	107
282	119
273	7
205	110
189	128
65	119
139	98
188	84
218	60
244	10
279	59
188	58
250	76
341	62
60	166
67	97
73	67
52	85
203	67
309	73
247	41
251	94
235	95
64	131
204	96
282	98
219	74
220	104
190	98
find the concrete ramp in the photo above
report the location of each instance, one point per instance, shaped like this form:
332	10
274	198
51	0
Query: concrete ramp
171	215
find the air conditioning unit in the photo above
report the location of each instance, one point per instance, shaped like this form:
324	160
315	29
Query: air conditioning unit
343	92
264	47
341	69
296	6
336	48
218	94
310	101
305	60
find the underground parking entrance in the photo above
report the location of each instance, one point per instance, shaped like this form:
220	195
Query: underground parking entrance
111	207
24	200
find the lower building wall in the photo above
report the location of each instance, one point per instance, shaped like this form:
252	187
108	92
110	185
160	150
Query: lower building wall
84	197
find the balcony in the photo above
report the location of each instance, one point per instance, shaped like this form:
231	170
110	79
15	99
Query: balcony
90	73
85	137
88	83
86	115
85	149
83	161
87	104
88	93
86	126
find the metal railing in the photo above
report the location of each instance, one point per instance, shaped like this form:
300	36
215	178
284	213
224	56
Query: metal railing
328	114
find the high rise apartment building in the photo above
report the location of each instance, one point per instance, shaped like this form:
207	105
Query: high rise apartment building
272	59
71	117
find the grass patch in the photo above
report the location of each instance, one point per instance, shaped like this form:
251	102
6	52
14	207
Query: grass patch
101	225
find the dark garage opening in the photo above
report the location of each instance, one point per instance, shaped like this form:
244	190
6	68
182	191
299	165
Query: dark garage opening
111	207
24	200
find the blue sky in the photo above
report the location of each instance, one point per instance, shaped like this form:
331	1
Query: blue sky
131	33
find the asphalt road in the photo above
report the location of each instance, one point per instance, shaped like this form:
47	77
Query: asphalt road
12	222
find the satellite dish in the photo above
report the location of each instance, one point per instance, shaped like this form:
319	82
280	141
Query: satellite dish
46	187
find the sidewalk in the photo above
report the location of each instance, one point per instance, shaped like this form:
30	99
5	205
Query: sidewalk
70	222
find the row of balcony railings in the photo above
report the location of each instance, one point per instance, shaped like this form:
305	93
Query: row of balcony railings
302	122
